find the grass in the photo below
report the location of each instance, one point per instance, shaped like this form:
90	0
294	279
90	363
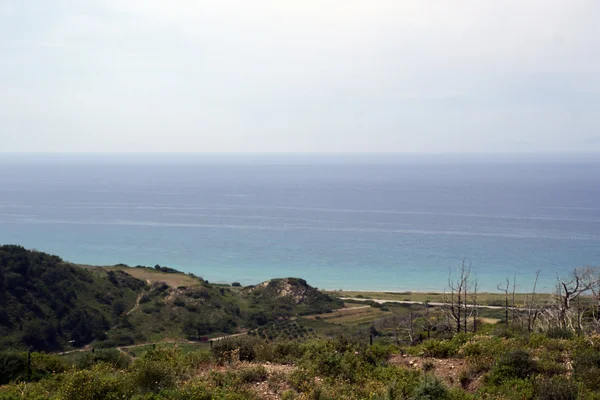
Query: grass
152	275
138	351
351	316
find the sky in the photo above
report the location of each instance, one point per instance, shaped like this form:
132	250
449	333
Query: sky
435	76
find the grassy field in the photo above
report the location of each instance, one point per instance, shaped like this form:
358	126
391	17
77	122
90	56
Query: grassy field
351	315
184	347
151	275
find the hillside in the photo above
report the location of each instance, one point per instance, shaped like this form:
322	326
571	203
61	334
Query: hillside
48	304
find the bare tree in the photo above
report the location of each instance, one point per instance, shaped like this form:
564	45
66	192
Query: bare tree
532	311
457	304
592	278
475	309
514	289
567	292
505	290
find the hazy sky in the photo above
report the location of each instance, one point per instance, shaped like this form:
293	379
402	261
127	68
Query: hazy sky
309	75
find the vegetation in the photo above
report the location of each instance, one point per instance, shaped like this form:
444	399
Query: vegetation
46	303
527	366
283	339
49	305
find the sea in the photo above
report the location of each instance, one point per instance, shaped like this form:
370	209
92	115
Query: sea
380	222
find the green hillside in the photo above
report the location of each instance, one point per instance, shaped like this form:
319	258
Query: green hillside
48	304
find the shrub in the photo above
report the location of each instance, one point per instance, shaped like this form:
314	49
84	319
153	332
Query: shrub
400	382
199	358
113	357
556	332
288	395
514	364
97	383
287	351
45	364
153	376
13	366
556	388
550	367
510	389
436	348
586	367
244	346
431	388
252	374
236	284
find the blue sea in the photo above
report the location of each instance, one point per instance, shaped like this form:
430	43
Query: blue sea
375	222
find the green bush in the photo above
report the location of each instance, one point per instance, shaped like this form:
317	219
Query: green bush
431	388
550	367
336	359
244	346
43	364
510	389
560	333
153	376
13	366
29	391
437	348
586	367
97	383
556	388
198	358
113	357
514	364
252	374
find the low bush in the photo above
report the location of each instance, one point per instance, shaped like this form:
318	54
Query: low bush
514	364
437	348
252	374
199	358
560	333
96	383
586	367
13	366
431	388
113	357
556	388
243	347
43	364
510	389
153	376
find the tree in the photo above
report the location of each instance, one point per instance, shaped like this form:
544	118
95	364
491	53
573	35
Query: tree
532	310
568	290
475	306
456	305
505	290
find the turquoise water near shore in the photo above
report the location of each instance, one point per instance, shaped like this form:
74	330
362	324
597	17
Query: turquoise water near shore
391	222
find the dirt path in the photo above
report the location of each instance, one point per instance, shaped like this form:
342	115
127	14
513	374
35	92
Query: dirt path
137	303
